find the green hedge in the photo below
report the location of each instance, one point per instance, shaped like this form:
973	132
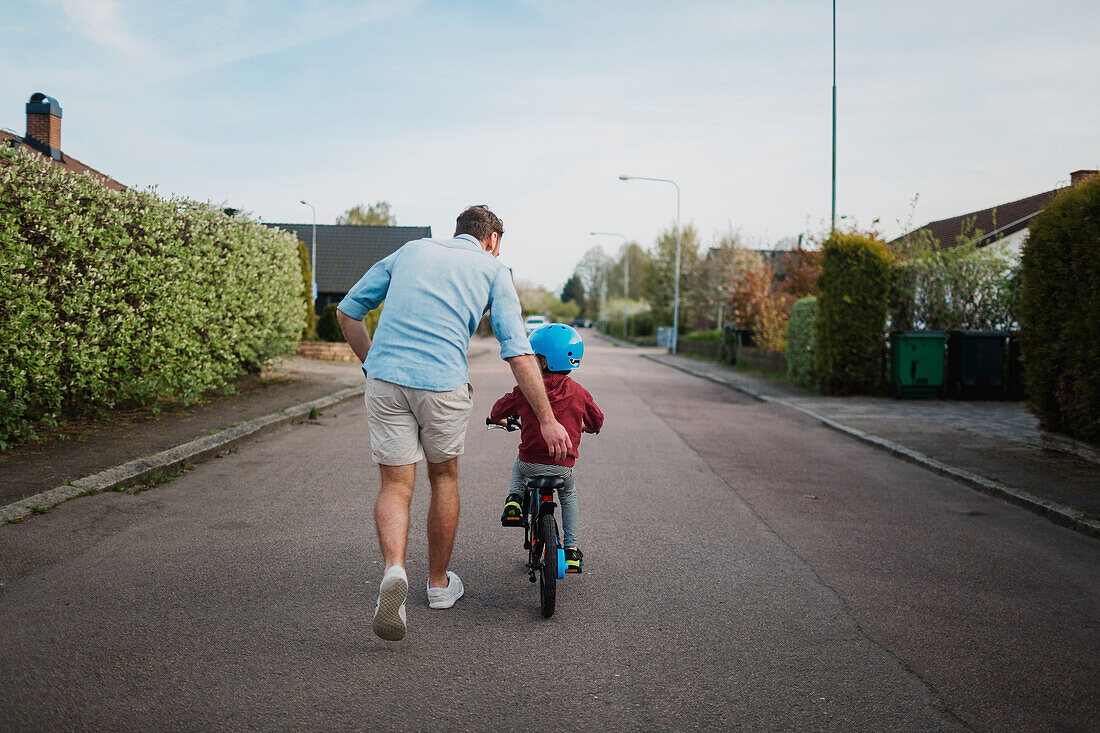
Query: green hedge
309	328
856	274
110	298
328	325
1060	313
713	336
641	324
800	341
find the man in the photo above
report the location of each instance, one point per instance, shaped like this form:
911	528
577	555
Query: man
418	393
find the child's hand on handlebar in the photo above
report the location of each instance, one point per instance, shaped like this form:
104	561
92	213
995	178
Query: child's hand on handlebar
510	423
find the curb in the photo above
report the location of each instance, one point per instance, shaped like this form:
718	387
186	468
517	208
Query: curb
1066	444
1057	513
196	451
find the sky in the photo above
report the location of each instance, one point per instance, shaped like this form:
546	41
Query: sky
535	107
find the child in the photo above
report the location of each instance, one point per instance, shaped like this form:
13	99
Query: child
559	350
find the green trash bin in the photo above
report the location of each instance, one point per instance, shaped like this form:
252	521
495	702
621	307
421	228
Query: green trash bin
917	360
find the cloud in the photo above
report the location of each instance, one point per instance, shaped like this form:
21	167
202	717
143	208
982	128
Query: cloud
162	40
101	22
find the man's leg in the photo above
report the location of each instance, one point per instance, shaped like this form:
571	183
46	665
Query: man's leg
391	511
442	519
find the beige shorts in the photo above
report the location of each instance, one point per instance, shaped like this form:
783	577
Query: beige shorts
408	424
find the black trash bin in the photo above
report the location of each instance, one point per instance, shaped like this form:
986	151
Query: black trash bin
976	364
729	343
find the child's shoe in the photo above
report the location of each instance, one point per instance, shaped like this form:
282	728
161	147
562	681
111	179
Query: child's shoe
513	513
574	559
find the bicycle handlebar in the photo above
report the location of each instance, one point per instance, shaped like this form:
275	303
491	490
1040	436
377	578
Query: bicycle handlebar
511	426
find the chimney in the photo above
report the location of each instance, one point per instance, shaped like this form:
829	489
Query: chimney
44	125
1078	177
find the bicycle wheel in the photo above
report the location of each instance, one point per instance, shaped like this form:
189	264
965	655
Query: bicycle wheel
548	575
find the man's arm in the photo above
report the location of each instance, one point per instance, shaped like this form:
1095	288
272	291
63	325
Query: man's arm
529	378
356	334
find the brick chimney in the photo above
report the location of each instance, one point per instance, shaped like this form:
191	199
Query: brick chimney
44	125
1081	176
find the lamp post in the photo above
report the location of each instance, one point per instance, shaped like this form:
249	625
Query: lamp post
676	289
313	255
833	230
626	271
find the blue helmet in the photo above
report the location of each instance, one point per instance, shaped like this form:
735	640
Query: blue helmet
560	344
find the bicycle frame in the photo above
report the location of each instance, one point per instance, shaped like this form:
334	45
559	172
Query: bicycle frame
537	504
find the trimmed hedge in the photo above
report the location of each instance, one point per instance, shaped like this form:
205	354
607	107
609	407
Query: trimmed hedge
800	341
309	328
328	325
111	297
856	275
1060	313
712	336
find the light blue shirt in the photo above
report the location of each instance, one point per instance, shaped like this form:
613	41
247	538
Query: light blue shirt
436	292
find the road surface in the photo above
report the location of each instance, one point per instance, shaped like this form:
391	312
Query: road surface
746	568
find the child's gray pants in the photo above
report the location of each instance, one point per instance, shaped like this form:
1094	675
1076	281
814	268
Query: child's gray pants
567	496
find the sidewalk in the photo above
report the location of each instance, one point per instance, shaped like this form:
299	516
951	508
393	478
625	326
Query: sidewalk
988	445
86	448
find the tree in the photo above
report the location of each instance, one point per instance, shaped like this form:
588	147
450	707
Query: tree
592	271
639	271
377	214
721	273
537	299
660	285
574	291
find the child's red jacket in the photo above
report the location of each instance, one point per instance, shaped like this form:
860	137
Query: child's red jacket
573	407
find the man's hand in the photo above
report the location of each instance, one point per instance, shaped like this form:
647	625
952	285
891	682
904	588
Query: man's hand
556	439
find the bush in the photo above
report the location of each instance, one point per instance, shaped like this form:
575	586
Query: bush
762	308
714	336
1060	313
800	341
856	273
961	287
328	325
309	328
642	324
120	297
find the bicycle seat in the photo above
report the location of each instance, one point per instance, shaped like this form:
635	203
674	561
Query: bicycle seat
546	482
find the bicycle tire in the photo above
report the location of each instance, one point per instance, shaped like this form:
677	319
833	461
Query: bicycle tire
548	574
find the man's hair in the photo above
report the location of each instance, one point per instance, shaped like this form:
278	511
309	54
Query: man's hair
479	223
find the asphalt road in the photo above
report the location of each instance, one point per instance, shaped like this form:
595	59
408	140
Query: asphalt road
746	568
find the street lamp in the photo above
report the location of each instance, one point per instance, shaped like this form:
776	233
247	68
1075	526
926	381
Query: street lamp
833	231
313	255
626	271
676	293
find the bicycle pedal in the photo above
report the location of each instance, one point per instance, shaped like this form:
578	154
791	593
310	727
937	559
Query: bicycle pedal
574	570
510	522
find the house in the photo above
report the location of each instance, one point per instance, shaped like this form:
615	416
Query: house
44	136
1004	226
346	251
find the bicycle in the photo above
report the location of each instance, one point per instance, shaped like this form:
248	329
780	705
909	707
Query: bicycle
546	558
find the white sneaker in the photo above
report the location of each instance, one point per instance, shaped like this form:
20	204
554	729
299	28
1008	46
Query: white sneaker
446	597
389	612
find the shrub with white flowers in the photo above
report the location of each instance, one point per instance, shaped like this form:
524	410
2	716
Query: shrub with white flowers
110	298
